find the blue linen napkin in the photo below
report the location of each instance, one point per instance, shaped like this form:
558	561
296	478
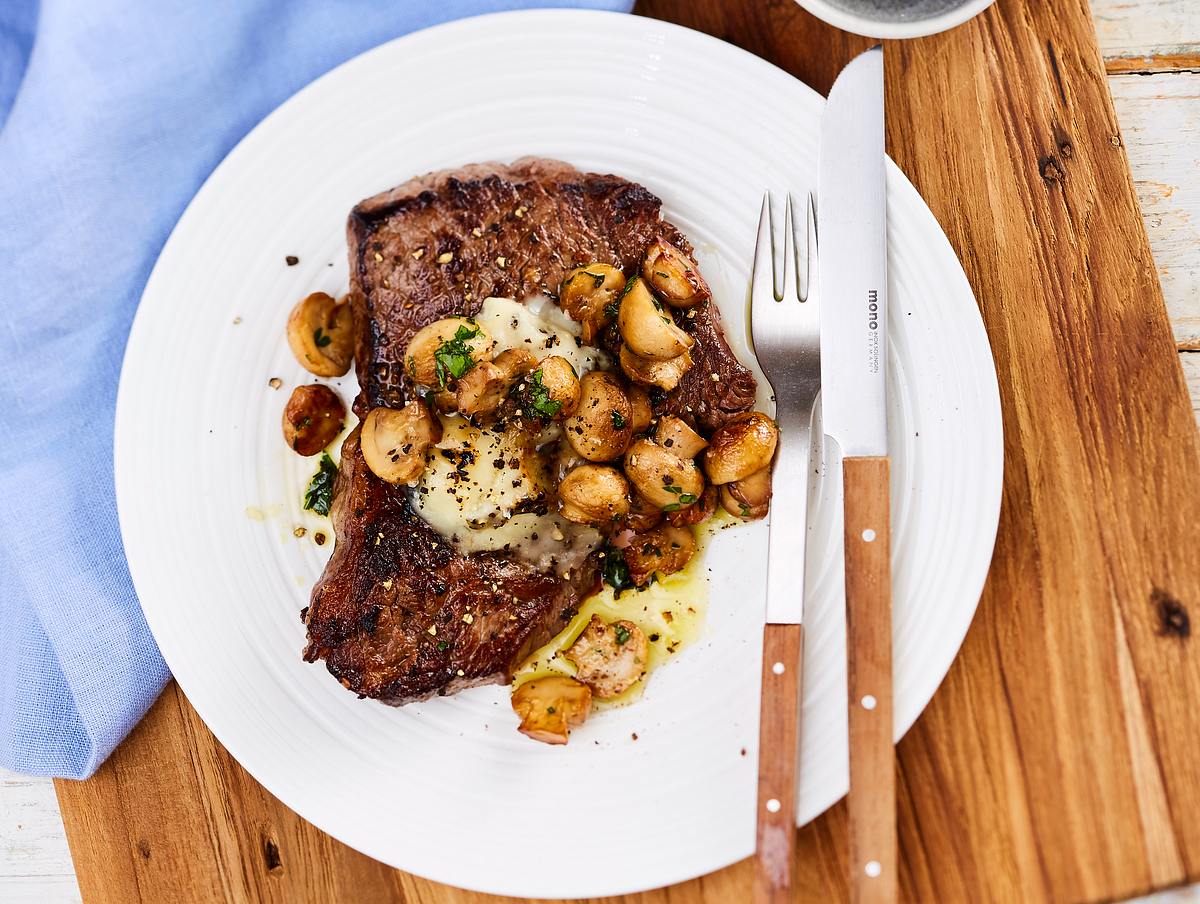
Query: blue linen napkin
112	114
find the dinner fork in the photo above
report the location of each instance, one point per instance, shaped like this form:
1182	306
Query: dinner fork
786	332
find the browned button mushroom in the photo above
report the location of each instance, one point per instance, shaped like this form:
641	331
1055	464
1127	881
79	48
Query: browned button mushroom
550	707
445	401
555	388
643	414
484	387
589	294
320	332
643	514
670	482
674	275
743	446
750	497
601	426
698	513
446	350
664	550
647	327
593	494
312	418
394	442
663	374
674	433
610	658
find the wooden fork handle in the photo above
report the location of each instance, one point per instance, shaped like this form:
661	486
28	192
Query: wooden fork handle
872	798
778	756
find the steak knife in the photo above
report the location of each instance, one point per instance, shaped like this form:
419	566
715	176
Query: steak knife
853	271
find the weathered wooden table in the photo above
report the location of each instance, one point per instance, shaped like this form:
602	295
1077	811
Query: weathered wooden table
1152	56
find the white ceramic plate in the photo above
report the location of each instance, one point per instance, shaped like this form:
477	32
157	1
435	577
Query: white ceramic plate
209	496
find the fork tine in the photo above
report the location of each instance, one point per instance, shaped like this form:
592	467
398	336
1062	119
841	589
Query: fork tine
762	285
790	291
808	263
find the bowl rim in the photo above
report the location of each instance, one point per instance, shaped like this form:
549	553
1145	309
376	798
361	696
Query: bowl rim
874	28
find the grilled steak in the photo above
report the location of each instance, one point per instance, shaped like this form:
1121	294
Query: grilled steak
399	615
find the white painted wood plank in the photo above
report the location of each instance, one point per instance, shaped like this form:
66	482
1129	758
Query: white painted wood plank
33	844
1160	125
1147	28
1191	372
43	890
1187	895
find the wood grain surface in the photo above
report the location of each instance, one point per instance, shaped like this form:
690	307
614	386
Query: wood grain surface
871	802
1058	760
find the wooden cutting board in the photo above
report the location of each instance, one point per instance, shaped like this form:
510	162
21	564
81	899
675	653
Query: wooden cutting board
1058	761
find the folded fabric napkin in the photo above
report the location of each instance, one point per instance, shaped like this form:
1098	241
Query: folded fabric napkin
112	114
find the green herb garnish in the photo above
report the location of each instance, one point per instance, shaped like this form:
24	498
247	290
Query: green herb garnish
320	338
453	357
618	420
538	397
443	645
612	309
597	278
686	498
622	634
319	495
615	571
550	710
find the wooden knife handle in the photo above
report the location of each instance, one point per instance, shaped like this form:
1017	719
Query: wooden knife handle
872	799
778	757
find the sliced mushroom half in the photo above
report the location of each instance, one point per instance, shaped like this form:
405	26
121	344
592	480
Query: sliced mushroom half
674	275
394	441
320	333
550	707
647	327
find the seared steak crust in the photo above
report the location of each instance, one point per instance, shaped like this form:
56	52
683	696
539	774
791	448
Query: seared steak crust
398	614
388	614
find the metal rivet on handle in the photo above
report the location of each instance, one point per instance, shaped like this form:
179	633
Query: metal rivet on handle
868	702
873	869
868	535
773	806
778	668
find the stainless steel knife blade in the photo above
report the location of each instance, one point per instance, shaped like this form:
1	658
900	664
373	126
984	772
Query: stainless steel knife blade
853	260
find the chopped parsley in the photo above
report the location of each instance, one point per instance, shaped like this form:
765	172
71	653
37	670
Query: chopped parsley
321	338
443	645
684	498
453	357
597	278
622	634
618	420
319	495
538	397
745	509
615	570
550	710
